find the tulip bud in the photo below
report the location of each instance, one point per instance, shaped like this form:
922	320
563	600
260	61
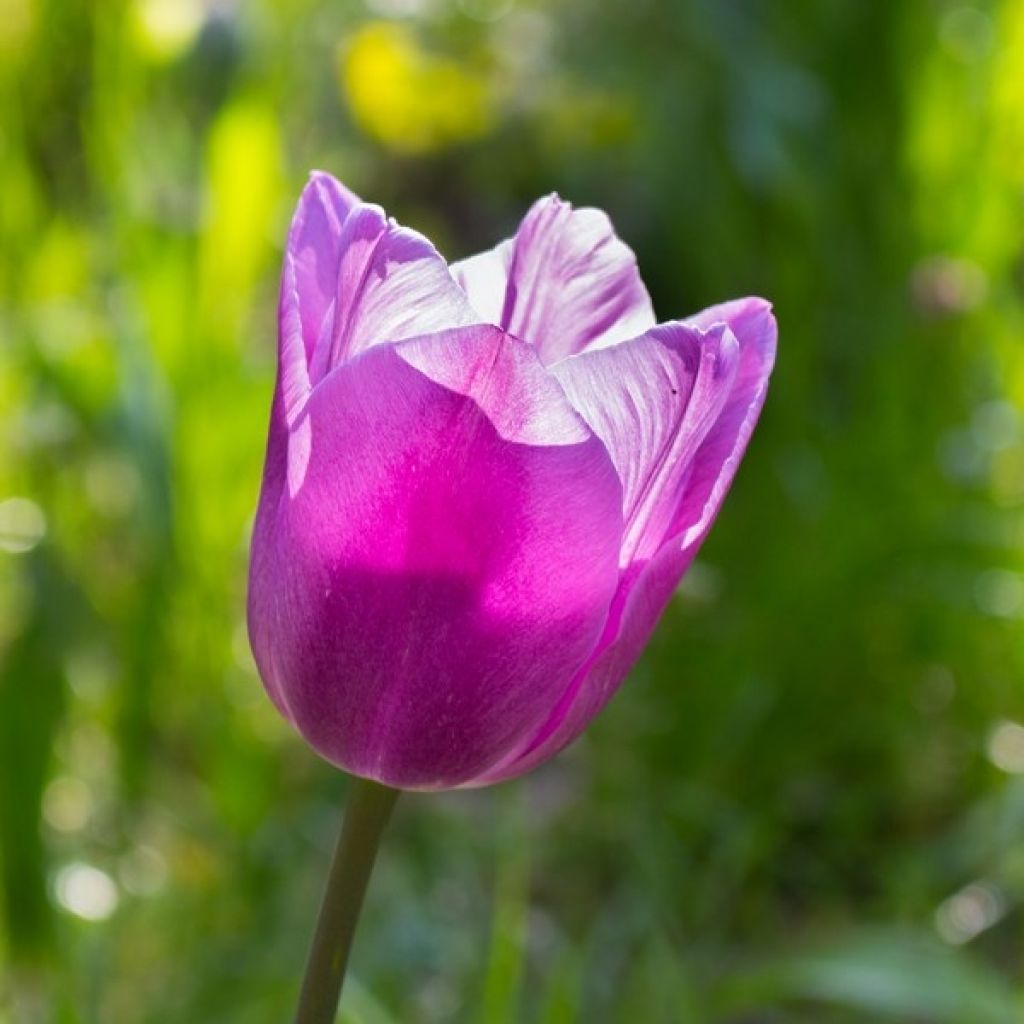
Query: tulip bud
483	483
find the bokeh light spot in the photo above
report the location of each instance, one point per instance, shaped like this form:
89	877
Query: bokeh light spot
86	892
166	28
967	32
22	525
1005	747
969	912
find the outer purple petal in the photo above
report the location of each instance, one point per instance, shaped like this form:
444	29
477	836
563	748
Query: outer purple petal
564	283
423	591
646	587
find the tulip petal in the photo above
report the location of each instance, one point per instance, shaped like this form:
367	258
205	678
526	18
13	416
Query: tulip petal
307	286
646	587
636	609
433	583
566	282
753	323
391	284
652	401
484	279
522	402
311	259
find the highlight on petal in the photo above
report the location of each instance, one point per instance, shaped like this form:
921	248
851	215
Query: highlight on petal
565	283
506	380
653	401
421	600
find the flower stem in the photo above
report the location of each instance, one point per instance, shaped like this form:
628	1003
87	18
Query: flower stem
369	807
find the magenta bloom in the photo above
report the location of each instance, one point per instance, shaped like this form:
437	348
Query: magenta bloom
483	483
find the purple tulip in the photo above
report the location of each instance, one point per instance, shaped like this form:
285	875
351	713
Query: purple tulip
483	483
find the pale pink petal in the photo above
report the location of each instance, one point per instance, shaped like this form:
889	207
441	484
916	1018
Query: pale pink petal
564	283
484	279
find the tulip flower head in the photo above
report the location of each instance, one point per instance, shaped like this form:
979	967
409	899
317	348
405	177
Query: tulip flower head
483	483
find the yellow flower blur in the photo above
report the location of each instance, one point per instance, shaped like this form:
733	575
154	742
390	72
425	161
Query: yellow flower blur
410	100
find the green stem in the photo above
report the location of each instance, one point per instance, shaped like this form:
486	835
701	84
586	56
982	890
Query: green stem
369	807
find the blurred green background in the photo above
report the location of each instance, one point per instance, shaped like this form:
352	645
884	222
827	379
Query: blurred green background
807	804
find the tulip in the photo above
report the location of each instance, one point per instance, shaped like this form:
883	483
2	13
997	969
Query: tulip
483	483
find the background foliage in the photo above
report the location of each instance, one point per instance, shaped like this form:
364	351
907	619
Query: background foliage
808	802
